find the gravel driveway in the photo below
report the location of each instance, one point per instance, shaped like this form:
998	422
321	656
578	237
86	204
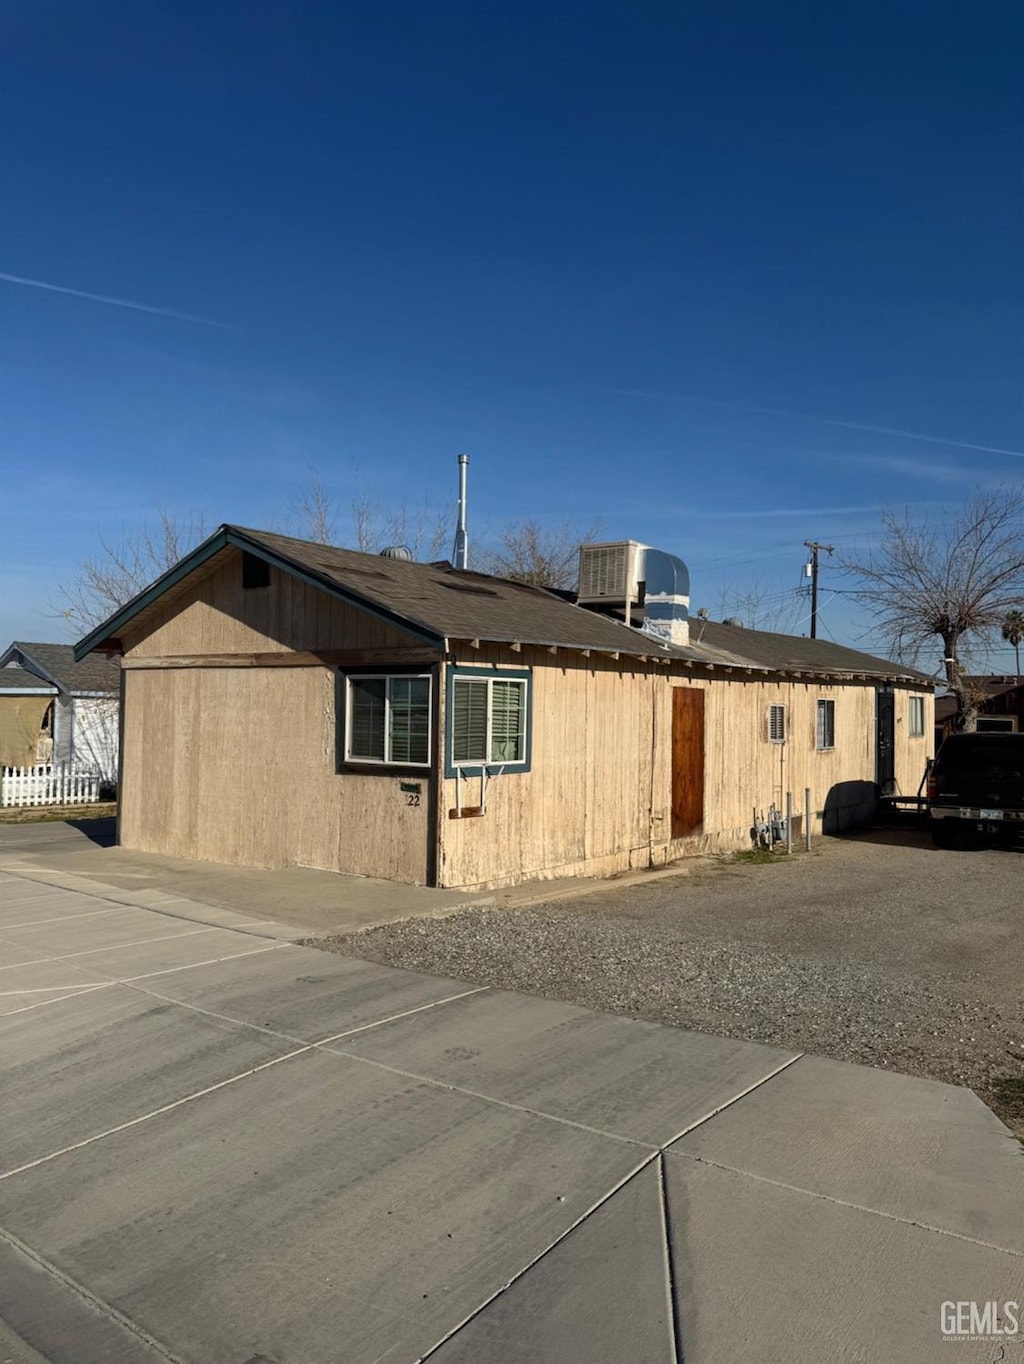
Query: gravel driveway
875	949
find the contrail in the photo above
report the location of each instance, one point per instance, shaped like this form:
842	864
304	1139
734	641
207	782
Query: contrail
822	421
116	302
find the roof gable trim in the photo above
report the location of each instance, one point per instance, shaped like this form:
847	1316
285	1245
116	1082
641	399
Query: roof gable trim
221	539
30	665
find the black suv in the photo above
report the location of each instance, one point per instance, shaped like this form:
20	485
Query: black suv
977	786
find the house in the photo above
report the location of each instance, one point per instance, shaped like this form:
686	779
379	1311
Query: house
291	703
56	709
1000	710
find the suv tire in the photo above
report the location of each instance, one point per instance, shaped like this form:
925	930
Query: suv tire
943	833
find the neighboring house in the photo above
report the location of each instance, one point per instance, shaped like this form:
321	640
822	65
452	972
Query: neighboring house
291	703
1001	708
27	705
54	709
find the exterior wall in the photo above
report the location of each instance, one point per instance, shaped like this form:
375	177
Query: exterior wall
63	723
94	734
912	754
20	721
597	798
238	764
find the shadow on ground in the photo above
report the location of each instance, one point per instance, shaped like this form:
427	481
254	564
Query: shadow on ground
102	832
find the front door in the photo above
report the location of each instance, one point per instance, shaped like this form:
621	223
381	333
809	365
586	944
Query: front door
885	742
687	761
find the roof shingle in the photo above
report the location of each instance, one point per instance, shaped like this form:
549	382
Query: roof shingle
460	604
57	661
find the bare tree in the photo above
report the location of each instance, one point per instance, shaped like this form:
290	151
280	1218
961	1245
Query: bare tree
120	569
1013	632
374	519
542	556
954	579
316	509
377	522
758	606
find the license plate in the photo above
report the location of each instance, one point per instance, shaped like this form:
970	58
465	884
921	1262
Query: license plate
990	814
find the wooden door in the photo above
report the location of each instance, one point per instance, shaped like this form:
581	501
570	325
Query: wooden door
687	761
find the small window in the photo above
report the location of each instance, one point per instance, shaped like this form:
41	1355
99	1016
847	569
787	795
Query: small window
825	733
388	720
916	713
777	724
488	721
998	724
255	571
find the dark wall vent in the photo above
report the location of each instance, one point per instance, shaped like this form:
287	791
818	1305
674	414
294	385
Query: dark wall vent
255	571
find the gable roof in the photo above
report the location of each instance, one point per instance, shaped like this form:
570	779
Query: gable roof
437	602
56	663
15	678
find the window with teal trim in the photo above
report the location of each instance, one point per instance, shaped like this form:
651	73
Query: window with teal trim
388	720
488	721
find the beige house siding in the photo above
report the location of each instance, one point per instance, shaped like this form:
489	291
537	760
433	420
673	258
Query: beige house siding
237	764
217	615
231	737
597	798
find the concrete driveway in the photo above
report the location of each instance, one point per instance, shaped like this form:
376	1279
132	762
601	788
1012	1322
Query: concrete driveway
222	1148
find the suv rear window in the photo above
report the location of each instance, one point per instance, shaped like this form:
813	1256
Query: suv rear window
995	753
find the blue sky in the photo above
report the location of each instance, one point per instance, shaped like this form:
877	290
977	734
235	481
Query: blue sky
726	277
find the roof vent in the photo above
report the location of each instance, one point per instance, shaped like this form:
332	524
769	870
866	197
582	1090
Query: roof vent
733	620
397	552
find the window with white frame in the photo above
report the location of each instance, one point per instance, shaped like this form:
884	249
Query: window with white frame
916	717
777	724
387	720
825	730
488	721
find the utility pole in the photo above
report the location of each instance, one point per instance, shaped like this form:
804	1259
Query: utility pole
815	549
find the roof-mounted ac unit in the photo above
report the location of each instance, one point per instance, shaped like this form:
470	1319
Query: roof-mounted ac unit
611	573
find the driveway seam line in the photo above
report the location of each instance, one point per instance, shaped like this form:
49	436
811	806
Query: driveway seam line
89	986
420	1008
116	947
105	1309
274	1032
60	919
194	965
853	1207
735	1098
49	989
87	989
41	875
471	1316
492	1099
300	1050
670	1262
155	1113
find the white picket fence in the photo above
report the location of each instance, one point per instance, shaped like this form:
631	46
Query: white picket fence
48	784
